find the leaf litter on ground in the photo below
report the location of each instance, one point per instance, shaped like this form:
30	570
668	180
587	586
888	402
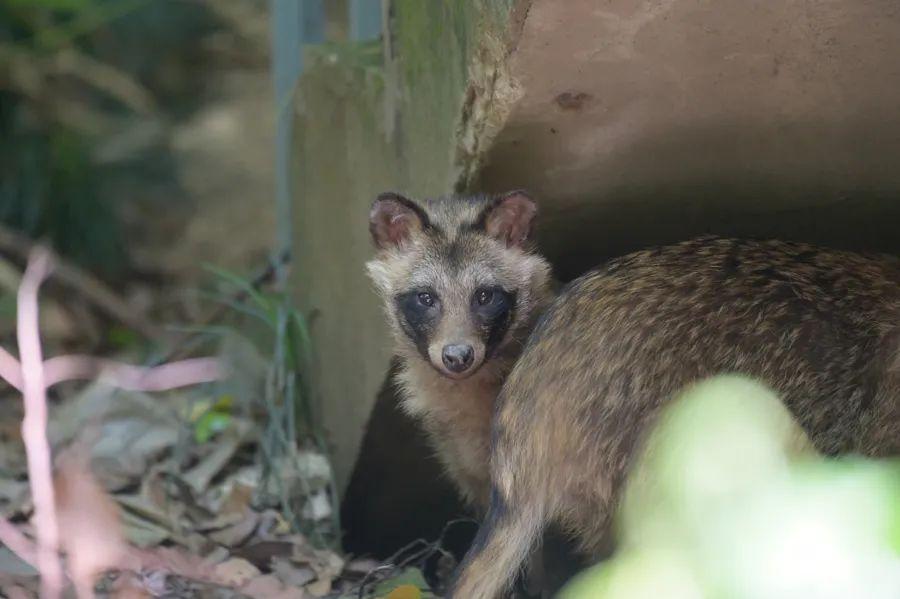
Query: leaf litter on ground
147	510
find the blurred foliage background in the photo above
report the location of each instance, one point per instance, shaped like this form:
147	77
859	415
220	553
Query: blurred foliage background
58	100
91	92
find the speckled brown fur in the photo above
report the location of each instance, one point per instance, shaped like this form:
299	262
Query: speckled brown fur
821	327
453	246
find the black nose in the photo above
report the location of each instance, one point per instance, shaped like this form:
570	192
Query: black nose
458	358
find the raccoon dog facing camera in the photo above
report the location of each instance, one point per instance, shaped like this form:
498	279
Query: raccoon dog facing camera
821	327
462	288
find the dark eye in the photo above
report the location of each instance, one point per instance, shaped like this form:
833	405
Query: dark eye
484	296
426	299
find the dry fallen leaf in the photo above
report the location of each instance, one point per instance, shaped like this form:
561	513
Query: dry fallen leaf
269	587
236	496
291	575
200	475
236	572
260	553
217	555
127	431
167	560
15	591
327	564
128	587
266	585
237	533
273	524
319	588
131	593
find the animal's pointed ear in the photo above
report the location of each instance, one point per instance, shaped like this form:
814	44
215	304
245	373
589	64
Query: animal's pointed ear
393	219
510	218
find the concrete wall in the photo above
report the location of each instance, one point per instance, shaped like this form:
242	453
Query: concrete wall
367	124
650	121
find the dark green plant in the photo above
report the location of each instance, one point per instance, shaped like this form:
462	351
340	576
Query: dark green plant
48	184
292	417
71	72
48	189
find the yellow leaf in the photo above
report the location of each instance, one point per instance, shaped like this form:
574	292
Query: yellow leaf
405	591
198	409
224	403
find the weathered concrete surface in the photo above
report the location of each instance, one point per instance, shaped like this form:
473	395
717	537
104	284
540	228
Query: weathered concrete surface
647	121
366	125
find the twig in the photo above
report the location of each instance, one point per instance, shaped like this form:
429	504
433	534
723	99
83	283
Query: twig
394	562
84	283
32	375
125	376
133	378
34	426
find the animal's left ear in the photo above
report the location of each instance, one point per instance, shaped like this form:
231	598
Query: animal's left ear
510	218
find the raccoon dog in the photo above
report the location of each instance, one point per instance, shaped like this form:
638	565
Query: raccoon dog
821	327
462	288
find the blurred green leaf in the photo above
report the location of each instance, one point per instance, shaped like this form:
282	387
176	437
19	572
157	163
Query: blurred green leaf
241	308
728	500
672	578
210	424
242	284
66	5
122	338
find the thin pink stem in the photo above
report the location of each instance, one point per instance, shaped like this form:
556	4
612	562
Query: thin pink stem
16	592
132	378
32	376
34	426
125	376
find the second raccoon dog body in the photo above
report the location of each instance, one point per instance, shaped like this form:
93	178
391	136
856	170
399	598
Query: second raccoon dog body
462	289
821	327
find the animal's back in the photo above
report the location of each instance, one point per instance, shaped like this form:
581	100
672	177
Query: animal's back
820	326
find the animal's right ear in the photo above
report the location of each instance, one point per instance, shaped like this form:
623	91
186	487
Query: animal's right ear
510	218
394	219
